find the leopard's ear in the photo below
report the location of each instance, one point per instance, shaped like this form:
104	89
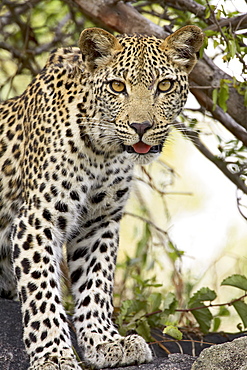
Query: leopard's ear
182	46
97	46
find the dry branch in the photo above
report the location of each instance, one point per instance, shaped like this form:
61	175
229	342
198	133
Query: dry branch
191	6
218	162
236	23
119	17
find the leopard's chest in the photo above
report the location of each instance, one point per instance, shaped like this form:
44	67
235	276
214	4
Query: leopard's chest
107	182
99	195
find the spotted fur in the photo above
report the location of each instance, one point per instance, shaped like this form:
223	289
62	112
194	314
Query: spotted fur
67	149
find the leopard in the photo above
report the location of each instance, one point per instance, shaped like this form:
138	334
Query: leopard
68	147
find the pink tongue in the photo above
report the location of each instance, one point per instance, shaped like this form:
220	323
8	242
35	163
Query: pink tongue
141	147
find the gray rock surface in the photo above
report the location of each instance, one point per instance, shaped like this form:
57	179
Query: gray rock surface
14	357
12	351
175	361
227	356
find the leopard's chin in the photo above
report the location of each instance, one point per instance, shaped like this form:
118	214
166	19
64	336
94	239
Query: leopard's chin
141	159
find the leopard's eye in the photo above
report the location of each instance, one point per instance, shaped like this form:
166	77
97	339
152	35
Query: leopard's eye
165	85
117	86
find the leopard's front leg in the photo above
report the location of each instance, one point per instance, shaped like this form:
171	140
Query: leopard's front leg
92	259
36	256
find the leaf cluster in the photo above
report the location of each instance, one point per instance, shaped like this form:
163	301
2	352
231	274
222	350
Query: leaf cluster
151	310
29	31
147	310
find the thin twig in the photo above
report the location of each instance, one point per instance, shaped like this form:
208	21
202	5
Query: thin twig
200	307
147	221
218	162
212	305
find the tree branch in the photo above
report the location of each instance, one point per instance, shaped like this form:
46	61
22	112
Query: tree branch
19	9
236	23
147	221
119	17
191	6
220	115
206	73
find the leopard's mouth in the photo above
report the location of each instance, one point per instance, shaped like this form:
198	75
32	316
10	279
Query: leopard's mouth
142	148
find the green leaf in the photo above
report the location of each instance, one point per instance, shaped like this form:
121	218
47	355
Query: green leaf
210	33
216	43
170	303
203	316
223	311
223	96
173	331
232	48
236	280
241	309
204	294
157	319
216	324
225	81
143	329
218	14
207	13
126	306
138	315
155	301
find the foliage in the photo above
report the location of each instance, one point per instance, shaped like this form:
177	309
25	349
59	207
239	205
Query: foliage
30	30
151	309
146	311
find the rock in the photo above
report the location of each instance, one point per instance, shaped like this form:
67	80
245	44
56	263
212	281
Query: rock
12	351
14	357
174	361
227	356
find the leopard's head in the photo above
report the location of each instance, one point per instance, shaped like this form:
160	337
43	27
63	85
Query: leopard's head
138	86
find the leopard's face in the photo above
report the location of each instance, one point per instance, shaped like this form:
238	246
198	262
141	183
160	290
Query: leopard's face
136	93
137	103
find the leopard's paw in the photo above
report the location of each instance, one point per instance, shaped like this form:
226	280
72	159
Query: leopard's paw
56	363
136	350
120	352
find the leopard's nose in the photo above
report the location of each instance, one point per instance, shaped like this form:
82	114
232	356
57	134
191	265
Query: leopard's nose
142	127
